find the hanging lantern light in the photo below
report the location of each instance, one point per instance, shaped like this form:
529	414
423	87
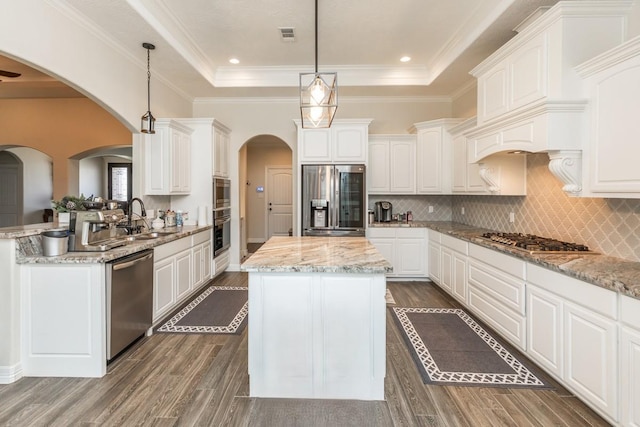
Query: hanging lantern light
148	121
318	93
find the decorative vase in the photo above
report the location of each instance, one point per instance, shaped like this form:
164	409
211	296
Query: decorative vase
63	217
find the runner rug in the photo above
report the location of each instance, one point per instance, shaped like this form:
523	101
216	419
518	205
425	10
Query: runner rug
450	348
217	310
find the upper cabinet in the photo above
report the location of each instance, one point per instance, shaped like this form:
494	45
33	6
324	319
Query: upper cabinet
434	156
220	152
344	142
610	161
466	177
391	168
530	97
539	62
167	159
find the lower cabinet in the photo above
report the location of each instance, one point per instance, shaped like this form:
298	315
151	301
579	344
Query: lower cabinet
404	247
434	256
454	266
630	361
497	292
573	334
179	268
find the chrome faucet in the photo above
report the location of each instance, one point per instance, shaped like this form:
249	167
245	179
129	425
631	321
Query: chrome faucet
143	213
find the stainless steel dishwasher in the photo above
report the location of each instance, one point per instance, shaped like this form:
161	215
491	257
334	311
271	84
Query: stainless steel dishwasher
129	300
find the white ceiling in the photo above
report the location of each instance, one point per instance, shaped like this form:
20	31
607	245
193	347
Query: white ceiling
362	40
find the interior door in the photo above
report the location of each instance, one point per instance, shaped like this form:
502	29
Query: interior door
279	201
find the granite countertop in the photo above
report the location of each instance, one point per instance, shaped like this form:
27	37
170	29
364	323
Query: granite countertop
318	254
608	272
29	246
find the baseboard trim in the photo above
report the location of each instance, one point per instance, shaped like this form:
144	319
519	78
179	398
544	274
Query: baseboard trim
255	240
10	374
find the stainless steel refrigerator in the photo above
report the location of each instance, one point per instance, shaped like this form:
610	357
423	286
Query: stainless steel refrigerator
333	200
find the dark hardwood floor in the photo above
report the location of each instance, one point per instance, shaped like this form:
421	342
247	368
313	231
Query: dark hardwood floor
201	380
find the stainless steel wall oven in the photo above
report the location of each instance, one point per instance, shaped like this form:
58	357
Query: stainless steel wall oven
221	230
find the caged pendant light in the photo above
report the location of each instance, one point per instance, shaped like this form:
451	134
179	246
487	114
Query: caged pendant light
318	93
148	121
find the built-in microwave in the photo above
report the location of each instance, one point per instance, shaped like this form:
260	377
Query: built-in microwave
221	193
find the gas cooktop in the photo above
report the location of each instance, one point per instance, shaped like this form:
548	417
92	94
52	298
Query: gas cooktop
535	244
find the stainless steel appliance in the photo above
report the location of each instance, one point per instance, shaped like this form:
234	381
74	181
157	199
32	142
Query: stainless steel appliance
221	230
383	211
535	244
221	193
129	300
95	231
333	198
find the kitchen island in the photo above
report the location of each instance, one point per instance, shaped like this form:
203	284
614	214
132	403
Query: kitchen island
317	318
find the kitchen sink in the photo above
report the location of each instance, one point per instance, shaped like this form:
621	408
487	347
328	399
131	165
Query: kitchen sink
147	236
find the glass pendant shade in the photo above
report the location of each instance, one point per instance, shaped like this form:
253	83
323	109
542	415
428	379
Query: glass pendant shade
148	123
318	99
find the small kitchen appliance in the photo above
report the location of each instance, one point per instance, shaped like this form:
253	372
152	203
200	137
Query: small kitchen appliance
94	231
383	211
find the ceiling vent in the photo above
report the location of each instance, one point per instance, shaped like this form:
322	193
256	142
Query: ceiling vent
287	34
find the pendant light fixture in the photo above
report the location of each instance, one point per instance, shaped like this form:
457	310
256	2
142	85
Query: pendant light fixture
148	121
318	93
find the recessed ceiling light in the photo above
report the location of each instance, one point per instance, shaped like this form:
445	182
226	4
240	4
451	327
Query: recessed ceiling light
405	59
234	61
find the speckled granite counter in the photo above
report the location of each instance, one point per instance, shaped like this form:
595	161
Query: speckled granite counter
29	245
318	254
612	273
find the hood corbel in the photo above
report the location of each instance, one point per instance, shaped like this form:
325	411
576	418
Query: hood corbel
566	165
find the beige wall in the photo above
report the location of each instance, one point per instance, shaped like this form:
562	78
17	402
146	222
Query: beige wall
465	105
258	158
61	129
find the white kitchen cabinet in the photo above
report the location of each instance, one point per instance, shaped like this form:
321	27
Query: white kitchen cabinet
434	256
344	142
201	255
466	177
630	361
378	170
434	150
171	283
610	159
164	296
404	247
167	159
454	266
220	263
544	330
574	335
538	63
391	167
220	151
497	292
184	281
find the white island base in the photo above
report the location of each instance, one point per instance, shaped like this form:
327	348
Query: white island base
317	335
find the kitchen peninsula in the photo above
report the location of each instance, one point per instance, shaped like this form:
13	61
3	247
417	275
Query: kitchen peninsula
317	318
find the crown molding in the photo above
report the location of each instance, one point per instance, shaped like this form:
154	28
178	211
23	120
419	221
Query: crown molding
342	99
289	76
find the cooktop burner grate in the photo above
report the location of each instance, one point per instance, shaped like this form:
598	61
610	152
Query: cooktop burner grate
536	244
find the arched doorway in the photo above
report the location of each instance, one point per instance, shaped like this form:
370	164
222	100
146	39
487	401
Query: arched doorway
267	200
11	184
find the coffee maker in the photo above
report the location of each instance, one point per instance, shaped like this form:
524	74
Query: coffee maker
383	211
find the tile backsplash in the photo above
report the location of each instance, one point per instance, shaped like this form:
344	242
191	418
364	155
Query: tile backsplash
609	226
418	205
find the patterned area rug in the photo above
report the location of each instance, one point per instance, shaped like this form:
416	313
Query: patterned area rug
450	348
217	310
389	298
